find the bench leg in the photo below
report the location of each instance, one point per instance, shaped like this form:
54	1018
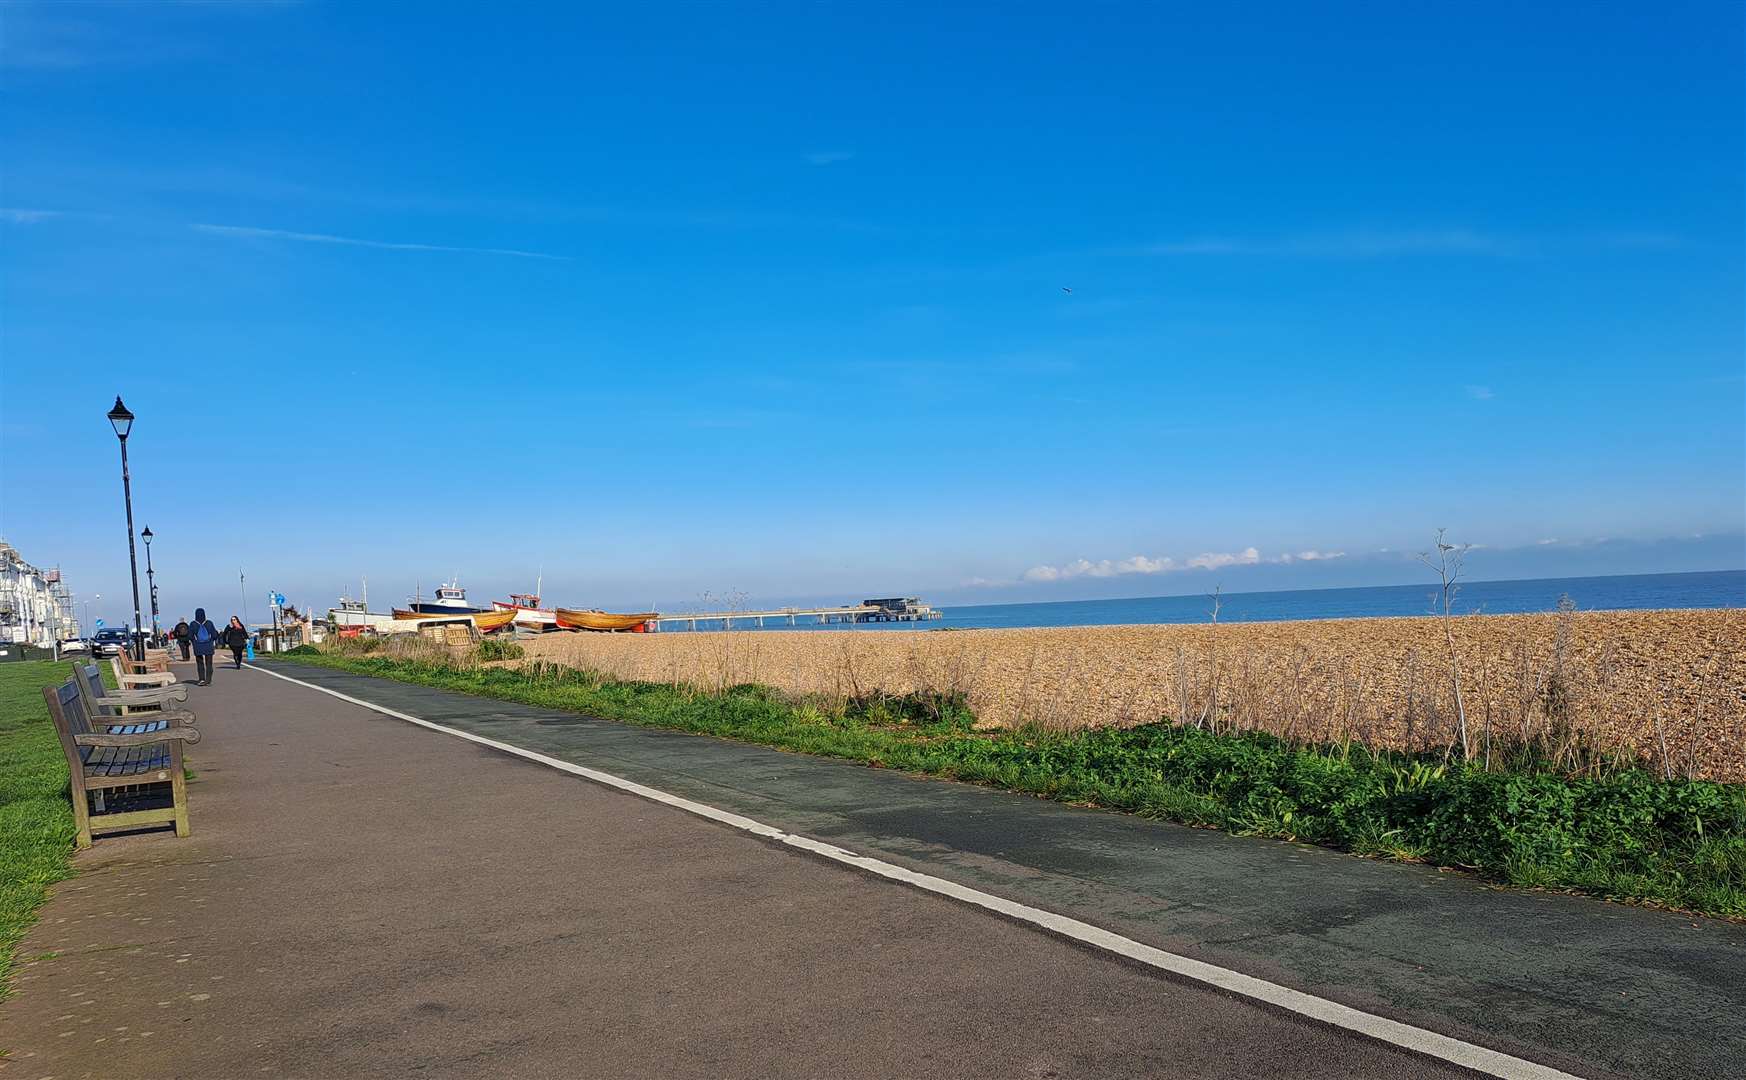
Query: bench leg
81	818
179	788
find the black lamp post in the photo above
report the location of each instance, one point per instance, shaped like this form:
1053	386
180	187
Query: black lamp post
151	579
122	421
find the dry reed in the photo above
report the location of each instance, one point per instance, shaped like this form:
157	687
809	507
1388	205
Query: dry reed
1666	688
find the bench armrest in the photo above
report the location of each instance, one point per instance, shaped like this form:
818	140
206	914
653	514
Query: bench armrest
173	717
149	695
144	738
156	678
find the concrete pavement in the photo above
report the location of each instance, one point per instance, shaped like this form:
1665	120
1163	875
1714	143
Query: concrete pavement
364	897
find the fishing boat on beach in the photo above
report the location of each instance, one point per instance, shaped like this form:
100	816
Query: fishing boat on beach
450	599
486	621
526	611
354	614
575	619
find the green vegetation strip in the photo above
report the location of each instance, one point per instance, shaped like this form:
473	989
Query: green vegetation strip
1626	835
36	816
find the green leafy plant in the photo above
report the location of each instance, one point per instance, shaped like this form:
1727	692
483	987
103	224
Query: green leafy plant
498	649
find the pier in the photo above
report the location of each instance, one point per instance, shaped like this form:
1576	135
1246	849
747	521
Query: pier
884	610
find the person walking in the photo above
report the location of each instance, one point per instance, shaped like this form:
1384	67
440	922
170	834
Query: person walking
236	639
205	638
180	633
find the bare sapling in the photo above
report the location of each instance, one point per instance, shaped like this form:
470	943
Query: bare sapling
1209	719
1446	561
1485	693
1661	733
1184	689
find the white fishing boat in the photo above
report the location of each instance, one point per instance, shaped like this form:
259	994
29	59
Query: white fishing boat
349	612
528	612
450	599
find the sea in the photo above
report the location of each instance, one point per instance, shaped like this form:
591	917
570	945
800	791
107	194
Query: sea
1707	589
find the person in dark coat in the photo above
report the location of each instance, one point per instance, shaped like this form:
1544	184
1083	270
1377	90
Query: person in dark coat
180	633
236	639
205	638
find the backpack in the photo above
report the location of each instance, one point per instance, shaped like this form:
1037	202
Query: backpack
203	633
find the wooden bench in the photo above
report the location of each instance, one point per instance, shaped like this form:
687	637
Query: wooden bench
155	660
100	762
128	678
130	711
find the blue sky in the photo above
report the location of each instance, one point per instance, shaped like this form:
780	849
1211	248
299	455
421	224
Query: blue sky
774	299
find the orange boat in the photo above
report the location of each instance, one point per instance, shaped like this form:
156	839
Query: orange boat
574	619
488	621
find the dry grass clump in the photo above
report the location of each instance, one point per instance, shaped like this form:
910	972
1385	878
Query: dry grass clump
1663	688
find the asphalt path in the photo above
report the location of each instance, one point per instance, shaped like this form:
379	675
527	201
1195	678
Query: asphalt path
362	895
1575	982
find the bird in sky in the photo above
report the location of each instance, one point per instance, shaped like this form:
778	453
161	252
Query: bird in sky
1065	289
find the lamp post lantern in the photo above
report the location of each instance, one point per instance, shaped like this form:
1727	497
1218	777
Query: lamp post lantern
151	579
122	421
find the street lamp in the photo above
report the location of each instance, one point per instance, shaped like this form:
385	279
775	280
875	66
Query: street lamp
151	579
122	421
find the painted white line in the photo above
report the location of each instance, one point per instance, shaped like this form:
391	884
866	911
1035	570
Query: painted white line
1455	1051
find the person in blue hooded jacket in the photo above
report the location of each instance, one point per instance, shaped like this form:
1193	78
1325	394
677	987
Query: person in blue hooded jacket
205	639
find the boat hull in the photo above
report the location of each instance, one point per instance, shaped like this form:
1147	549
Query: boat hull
527	616
425	609
573	619
354	617
486	621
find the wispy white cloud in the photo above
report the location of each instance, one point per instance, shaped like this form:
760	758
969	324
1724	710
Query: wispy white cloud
67	37
1161	564
1408	243
1358	244
1164	564
1640	240
1480	393
1311	556
351	241
1219	560
17	215
828	157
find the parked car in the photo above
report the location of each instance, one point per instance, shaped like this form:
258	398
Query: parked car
74	644
108	641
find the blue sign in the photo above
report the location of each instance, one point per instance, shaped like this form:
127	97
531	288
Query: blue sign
99	624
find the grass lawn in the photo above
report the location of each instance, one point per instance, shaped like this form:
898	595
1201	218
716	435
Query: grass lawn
36	818
1622	833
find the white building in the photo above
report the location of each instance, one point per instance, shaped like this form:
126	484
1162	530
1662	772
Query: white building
35	607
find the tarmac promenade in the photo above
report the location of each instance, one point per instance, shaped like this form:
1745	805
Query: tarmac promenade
364	896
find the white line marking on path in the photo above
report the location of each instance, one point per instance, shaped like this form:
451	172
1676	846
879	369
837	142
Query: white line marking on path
1429	1043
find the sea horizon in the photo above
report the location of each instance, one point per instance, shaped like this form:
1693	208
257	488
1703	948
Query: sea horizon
1683	590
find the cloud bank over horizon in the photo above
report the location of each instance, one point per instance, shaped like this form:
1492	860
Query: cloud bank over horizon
1164	564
